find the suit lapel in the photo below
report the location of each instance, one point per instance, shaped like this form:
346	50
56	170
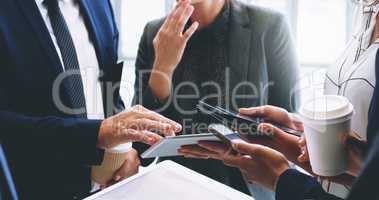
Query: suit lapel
239	44
33	15
31	12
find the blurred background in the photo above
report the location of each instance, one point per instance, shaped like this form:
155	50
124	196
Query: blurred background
321	28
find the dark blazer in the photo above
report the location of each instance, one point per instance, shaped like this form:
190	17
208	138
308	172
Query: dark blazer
293	185
49	152
7	187
260	52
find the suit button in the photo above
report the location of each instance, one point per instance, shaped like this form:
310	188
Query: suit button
75	197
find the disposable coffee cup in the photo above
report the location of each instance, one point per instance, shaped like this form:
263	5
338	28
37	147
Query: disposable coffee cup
113	160
327	123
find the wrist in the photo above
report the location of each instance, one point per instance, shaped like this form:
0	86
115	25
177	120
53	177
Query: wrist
164	69
105	129
160	83
278	175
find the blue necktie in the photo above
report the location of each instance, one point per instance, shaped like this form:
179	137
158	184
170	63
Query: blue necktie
69	57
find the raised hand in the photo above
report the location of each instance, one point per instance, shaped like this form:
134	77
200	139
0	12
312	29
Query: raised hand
169	45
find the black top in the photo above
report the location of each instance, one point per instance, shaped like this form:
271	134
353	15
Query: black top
204	62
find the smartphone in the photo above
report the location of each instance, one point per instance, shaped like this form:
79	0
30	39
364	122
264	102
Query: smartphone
244	124
225	134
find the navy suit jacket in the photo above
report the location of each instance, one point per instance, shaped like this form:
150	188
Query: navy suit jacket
293	185
50	152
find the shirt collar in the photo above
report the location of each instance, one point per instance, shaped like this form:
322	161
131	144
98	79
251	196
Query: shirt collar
219	27
40	2
221	22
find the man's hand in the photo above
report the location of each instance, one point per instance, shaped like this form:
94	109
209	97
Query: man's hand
136	125
169	45
129	168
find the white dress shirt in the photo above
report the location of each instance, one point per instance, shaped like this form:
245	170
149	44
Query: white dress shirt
88	63
353	76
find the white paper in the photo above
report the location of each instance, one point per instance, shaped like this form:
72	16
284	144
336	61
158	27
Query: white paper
170	181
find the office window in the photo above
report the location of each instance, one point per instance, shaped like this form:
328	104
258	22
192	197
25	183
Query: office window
320	29
132	17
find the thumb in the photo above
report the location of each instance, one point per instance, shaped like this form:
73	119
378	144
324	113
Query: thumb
250	111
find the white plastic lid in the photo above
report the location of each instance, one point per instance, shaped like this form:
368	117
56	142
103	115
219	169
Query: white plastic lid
327	107
123	148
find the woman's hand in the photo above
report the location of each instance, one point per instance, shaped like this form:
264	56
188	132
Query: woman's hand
279	140
206	150
169	45
357	149
273	114
285	143
304	157
257	163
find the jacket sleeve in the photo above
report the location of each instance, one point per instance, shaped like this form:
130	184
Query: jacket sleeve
282	65
68	139
368	177
295	185
373	124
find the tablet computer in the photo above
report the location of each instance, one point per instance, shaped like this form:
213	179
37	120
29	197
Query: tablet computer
169	146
